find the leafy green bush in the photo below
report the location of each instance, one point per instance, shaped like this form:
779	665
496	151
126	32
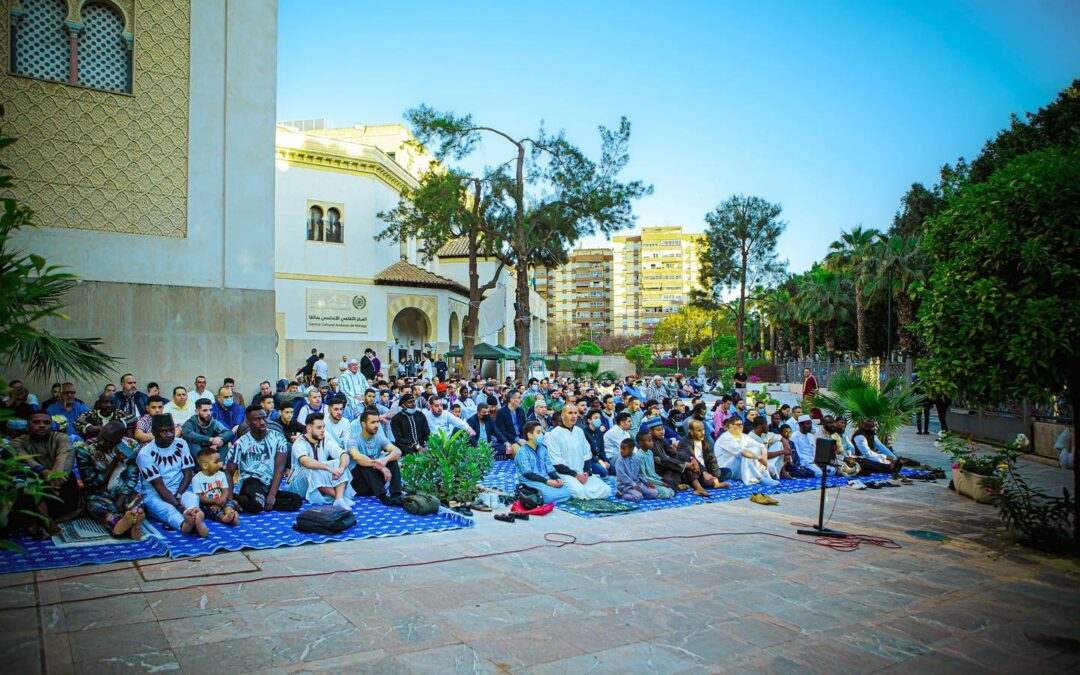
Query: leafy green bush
588	348
610	375
722	350
450	469
641	356
576	368
852	397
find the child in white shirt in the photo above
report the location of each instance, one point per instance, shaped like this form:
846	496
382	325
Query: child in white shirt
212	486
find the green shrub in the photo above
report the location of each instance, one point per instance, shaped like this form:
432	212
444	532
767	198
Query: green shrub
576	368
722	351
450	469
587	348
641	356
608	375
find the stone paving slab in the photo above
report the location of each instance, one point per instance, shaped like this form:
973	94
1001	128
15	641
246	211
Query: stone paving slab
696	605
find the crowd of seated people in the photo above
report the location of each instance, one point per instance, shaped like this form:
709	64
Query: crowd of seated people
207	454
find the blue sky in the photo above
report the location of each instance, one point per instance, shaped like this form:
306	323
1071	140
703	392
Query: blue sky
831	108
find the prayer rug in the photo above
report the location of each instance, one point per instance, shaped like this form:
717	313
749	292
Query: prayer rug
264	530
503	477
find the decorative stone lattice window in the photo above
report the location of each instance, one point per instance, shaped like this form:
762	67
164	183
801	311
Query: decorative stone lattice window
93	52
41	48
325	222
102	52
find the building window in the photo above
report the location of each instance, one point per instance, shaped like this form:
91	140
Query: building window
41	48
315	224
103	54
334	226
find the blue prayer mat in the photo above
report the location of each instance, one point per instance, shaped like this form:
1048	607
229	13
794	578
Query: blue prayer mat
503	476
259	531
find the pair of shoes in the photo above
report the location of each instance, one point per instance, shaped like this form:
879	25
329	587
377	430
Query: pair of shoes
511	517
763	499
857	485
477	506
463	510
873	485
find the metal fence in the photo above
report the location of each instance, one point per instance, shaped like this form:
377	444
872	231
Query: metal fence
872	371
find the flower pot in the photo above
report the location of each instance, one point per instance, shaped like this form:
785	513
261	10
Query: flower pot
967	484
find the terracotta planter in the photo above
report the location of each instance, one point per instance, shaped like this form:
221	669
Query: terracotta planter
967	484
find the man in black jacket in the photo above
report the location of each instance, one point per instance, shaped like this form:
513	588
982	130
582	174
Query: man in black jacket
484	426
367	365
409	426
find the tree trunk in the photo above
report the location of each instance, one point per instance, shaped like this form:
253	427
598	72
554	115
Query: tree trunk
742	314
860	322
905	314
793	337
781	344
472	317
761	335
813	342
772	340
830	339
522	321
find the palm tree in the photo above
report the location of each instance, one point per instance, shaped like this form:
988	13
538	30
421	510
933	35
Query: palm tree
853	253
828	297
778	308
805	308
901	262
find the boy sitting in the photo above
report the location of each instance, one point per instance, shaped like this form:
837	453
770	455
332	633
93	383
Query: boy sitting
645	443
212	486
630	482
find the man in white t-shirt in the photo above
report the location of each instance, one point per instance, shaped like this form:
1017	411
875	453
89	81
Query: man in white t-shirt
321	368
337	427
614	436
166	468
321	467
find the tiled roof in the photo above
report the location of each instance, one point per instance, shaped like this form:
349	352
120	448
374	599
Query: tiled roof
404	273
455	248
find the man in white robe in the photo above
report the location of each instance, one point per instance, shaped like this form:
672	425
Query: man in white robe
568	448
353	384
747	459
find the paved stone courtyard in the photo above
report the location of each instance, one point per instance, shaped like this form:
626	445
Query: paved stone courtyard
753	603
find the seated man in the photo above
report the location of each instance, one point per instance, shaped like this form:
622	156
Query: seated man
375	460
805	442
600	462
110	480
258	460
155	405
410	426
845	463
180	407
89	424
226	410
872	455
695	448
320	467
70	407
569	451
747	459
510	423
202	430
777	451
483	426
535	468
49	455
166	467
337	427
614	436
439	419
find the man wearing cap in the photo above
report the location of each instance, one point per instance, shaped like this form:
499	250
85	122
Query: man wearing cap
804	441
409	426
353	384
747	458
166	467
49	455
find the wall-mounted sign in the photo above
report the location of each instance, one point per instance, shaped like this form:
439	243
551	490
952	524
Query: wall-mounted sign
336	311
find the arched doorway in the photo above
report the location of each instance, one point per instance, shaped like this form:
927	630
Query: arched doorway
410	329
455	330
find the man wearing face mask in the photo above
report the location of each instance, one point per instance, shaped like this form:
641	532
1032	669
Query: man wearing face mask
483	425
226	410
594	429
410	426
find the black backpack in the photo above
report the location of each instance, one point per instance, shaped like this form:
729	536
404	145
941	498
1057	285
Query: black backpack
528	496
324	519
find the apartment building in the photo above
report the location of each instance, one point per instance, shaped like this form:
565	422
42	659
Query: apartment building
579	293
653	274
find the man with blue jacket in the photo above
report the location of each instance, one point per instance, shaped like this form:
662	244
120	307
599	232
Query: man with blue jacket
510	422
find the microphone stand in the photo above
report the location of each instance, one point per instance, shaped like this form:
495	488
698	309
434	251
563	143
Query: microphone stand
820	530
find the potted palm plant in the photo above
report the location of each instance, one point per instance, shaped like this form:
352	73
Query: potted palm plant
854	398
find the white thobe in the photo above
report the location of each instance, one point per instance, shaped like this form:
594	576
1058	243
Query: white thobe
571	449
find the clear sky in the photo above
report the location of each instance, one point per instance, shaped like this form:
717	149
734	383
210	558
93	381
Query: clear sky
830	108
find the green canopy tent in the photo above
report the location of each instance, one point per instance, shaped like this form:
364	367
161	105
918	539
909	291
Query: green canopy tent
482	351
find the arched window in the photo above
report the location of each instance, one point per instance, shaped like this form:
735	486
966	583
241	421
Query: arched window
41	48
334	226
315	224
103	51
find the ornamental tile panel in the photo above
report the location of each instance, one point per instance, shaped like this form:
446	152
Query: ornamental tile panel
95	160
